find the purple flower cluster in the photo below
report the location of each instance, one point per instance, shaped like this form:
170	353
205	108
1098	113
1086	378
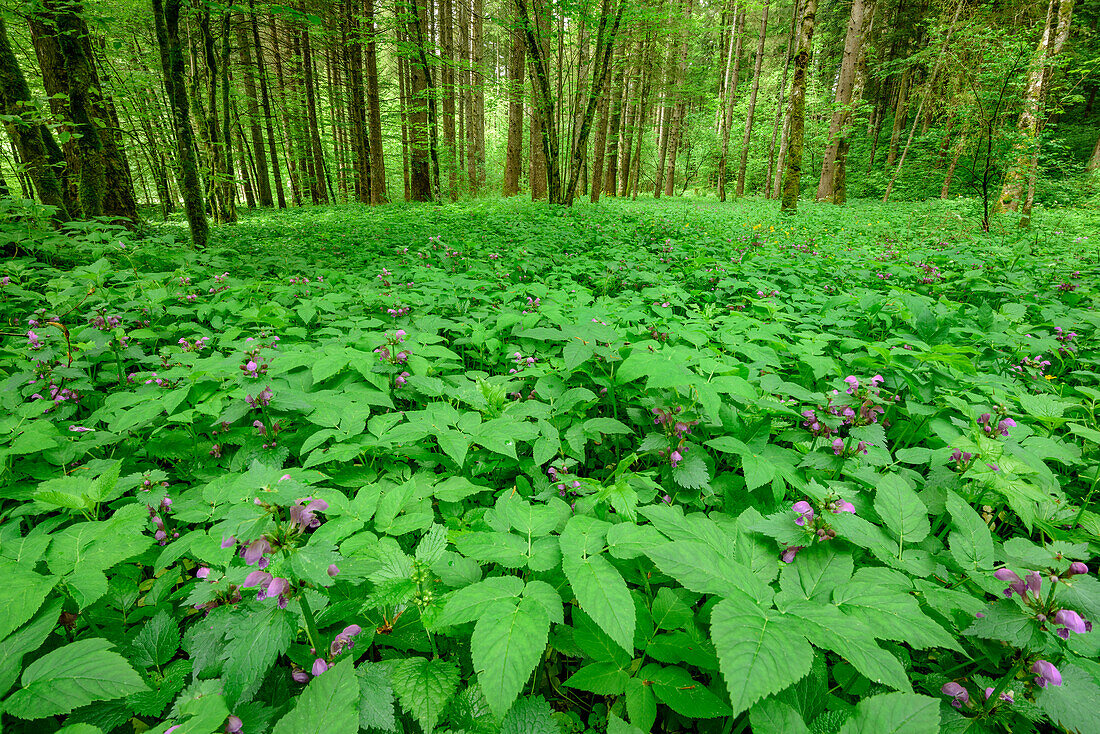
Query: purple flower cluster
521	363
1065	338
271	432
532	305
985	421
262	399
567	483
809	519
389	351
962	459
33	340
1029	589
102	322
199	344
1028	365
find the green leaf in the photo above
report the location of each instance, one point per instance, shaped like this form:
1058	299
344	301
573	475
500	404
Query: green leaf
901	509
432	544
1007	621
772	716
424	687
470	602
253	642
1074	705
530	715
454	443
507	644
819	570
700	568
375	697
761	652
605	679
507	549
157	641
26	639
891	614
70	677
641	704
602	593
615	725
675	688
21	594
894	713
971	542
330	704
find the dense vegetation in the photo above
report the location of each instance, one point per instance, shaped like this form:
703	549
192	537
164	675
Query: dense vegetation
498	467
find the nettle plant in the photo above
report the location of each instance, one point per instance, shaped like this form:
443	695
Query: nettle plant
481	498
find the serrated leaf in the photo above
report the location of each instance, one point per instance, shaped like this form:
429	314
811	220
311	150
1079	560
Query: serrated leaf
894	713
675	688
605	679
431	545
772	716
891	615
1074	705
819	569
760	651
70	677
157	641
1007	621
901	509
26	639
602	593
329	704
530	715
253	642
424	687
700	568
21	595
375	697
470	602
970	539
507	644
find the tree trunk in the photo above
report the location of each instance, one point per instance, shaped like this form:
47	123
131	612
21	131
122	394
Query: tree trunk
268	117
477	98
1094	161
230	181
513	159
32	140
900	113
374	111
420	184
679	110
1025	150
744	164
771	191
600	148
842	114
797	114
448	91
357	107
166	23
731	100
320	185
263	178
617	94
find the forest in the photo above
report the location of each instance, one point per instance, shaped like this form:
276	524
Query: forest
549	366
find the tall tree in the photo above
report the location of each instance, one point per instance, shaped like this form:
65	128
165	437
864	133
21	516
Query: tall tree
513	158
166	16
842	101
796	114
736	38
31	138
743	166
263	179
773	177
374	109
357	105
269	119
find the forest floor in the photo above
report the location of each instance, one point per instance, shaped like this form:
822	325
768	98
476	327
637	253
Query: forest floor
499	390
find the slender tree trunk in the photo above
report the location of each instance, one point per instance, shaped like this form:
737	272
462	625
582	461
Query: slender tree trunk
513	159
374	110
263	179
731	101
618	93
842	114
31	139
420	185
449	91
600	146
679	110
403	109
357	107
230	181
268	117
744	164
771	190
797	115
477	82
901	112
626	138
320	184
1094	160
166	23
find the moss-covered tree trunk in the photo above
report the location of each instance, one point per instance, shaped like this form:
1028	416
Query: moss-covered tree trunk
797	114
166	16
31	138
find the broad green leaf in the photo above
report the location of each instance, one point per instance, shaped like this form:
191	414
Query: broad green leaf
641	704
424	687
605	679
507	644
253	642
901	509
615	725
761	652
21	594
1007	621
819	569
507	549
329	704
157	641
70	677
891	615
530	715
470	602
772	716
375	697
1074	705
675	688
971	542
894	713
701	569
26	639
602	593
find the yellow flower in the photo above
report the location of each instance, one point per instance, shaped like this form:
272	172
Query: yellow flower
1050	377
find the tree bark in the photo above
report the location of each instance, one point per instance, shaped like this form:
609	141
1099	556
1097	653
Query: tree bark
842	101
731	100
420	184
744	164
797	114
357	107
513	159
477	110
166	23
374	110
320	185
617	94
265	100
263	178
1094	160
31	139
679	110
771	190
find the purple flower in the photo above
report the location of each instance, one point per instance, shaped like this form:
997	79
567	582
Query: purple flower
843	506
1034	583
256	578
667	499
278	586
791	552
1046	674
675	457
1016	584
1006	696
229	542
299	676
838	446
805	512
333	570
202	573
853	383
877	380
256	550
1071	621
1075	568
959	695
233	725
319	666
1004	425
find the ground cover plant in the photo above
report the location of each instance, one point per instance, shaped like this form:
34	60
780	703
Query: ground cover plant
494	467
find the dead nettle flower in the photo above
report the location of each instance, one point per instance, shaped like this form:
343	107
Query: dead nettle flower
344	640
303	517
262	399
319	667
33	340
1005	696
254	552
959	695
1070	621
389	352
234	725
962	459
401	379
1046	674
251	368
522	363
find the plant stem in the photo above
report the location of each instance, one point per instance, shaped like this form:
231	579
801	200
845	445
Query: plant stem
311	623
